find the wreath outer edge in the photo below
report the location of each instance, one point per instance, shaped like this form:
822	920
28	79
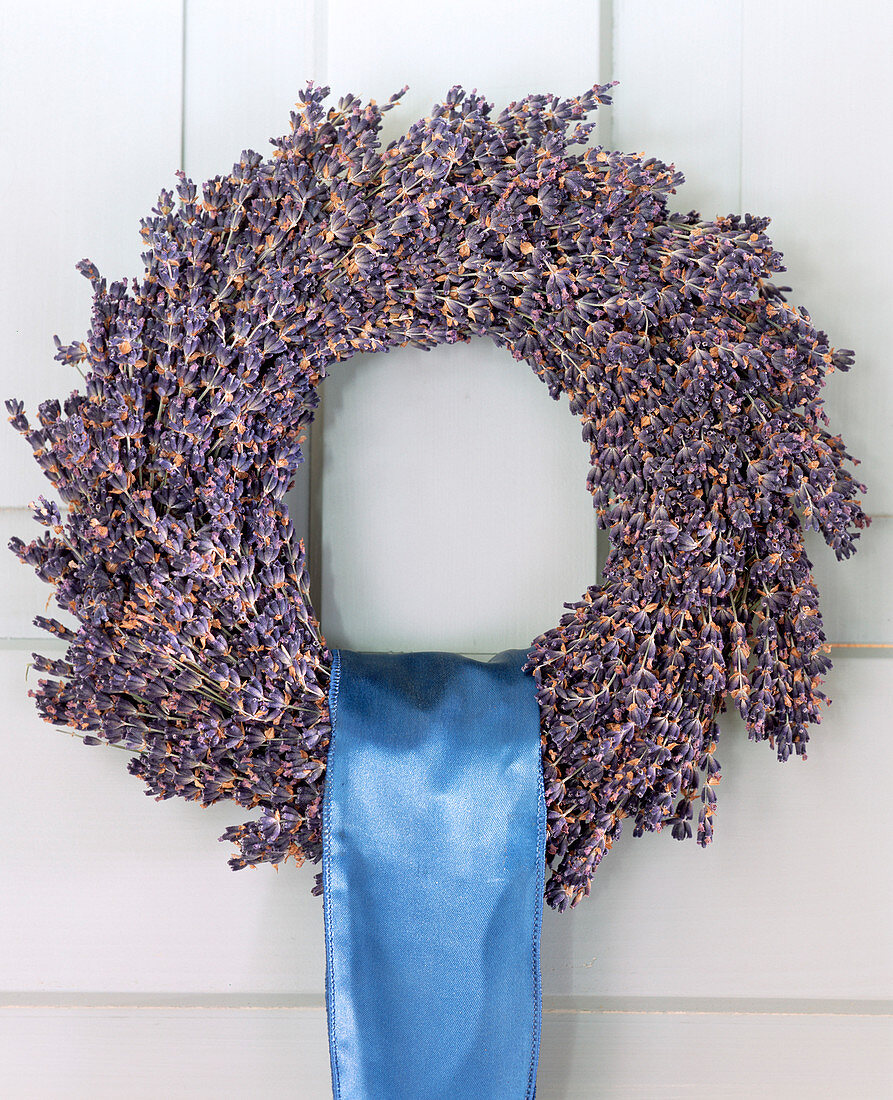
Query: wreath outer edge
698	386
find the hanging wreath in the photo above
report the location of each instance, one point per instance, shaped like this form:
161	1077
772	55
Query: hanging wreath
697	384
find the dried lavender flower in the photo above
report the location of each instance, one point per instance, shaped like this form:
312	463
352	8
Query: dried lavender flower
697	384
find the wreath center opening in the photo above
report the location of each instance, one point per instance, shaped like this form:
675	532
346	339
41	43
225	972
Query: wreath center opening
451	499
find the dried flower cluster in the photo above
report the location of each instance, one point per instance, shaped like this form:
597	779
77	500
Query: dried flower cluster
697	384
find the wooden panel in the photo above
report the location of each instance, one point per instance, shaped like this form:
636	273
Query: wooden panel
505	49
630	1056
463	523
91	119
105	888
679	67
242	78
855	595
108	889
454	506
855	598
243	72
793	896
143	1054
109	1052
816	159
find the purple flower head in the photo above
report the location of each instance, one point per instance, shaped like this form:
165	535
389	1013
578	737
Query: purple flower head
699	391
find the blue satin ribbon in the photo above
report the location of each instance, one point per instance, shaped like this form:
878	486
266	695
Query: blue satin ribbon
434	831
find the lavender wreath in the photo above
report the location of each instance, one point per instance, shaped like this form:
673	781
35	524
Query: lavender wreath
698	386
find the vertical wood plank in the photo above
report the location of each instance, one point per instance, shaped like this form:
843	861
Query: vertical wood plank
236	70
792	898
455	514
244	68
454	506
243	72
462	523
90	122
105	888
679	96
505	49
855	595
818	161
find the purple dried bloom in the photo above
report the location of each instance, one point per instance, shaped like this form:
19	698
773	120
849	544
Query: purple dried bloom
697	384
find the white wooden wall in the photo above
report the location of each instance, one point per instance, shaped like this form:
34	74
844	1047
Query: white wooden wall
133	962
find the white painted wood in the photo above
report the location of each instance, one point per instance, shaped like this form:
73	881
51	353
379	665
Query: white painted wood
792	897
455	513
107	892
90	128
25	594
506	49
229	1054
855	595
106	889
856	600
817	160
679	96
671	1056
242	74
143	1054
455	509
